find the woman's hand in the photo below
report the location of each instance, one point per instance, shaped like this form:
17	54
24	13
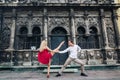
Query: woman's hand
55	50
62	42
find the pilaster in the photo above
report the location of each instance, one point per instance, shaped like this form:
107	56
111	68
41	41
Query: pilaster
72	25
12	36
45	24
105	38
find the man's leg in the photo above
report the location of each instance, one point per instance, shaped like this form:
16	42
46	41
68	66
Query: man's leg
64	66
82	66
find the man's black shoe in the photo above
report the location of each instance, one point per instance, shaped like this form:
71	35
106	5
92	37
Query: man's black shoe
83	74
58	75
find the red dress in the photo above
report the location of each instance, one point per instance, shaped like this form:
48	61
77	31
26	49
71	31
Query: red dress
44	56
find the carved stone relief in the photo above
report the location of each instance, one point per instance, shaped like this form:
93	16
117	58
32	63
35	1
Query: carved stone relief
58	13
58	22
94	57
82	55
37	21
78	13
7	21
110	32
111	55
22	21
57	1
79	22
93	21
91	54
107	13
111	37
98	55
93	13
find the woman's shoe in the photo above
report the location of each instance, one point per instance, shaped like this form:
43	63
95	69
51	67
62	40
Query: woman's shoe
48	76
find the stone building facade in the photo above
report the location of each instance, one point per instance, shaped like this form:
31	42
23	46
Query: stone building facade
92	24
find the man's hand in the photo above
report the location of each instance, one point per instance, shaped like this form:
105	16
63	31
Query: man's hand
55	50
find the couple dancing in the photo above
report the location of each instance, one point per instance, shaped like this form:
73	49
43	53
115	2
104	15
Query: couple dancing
45	54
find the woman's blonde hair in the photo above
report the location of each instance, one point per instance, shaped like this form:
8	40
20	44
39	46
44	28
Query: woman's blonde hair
43	45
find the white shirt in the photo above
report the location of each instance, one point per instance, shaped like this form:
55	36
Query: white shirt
73	51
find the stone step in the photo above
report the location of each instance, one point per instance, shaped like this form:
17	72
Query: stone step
38	67
57	70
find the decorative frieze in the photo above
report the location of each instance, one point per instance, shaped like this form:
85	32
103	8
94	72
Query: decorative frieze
58	13
111	56
79	21
94	57
58	22
22	21
93	21
37	21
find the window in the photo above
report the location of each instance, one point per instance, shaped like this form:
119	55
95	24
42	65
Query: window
87	41
26	41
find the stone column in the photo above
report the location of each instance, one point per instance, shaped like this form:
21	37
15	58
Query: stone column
12	36
114	18
72	25
85	16
104	34
30	17
105	38
45	24
117	33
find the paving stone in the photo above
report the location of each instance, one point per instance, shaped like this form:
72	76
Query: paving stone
38	75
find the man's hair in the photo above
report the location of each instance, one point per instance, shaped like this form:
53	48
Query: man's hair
71	41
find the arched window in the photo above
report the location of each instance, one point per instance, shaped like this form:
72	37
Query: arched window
90	41
59	30
22	38
93	40
25	41
81	30
81	39
36	30
23	31
36	38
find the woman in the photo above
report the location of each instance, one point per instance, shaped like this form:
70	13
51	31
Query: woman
45	54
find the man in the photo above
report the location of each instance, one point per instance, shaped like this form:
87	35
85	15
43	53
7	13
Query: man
73	49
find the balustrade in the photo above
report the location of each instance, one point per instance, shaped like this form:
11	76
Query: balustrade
29	57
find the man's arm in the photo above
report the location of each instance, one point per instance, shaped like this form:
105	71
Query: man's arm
64	51
78	48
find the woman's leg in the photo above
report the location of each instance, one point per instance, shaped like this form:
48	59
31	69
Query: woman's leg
48	72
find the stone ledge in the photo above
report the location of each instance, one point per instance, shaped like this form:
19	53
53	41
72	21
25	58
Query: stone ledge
57	70
87	67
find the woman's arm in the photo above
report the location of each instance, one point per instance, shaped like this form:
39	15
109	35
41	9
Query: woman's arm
49	49
60	45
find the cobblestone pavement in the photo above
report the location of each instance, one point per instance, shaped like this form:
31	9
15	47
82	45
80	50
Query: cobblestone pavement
38	75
